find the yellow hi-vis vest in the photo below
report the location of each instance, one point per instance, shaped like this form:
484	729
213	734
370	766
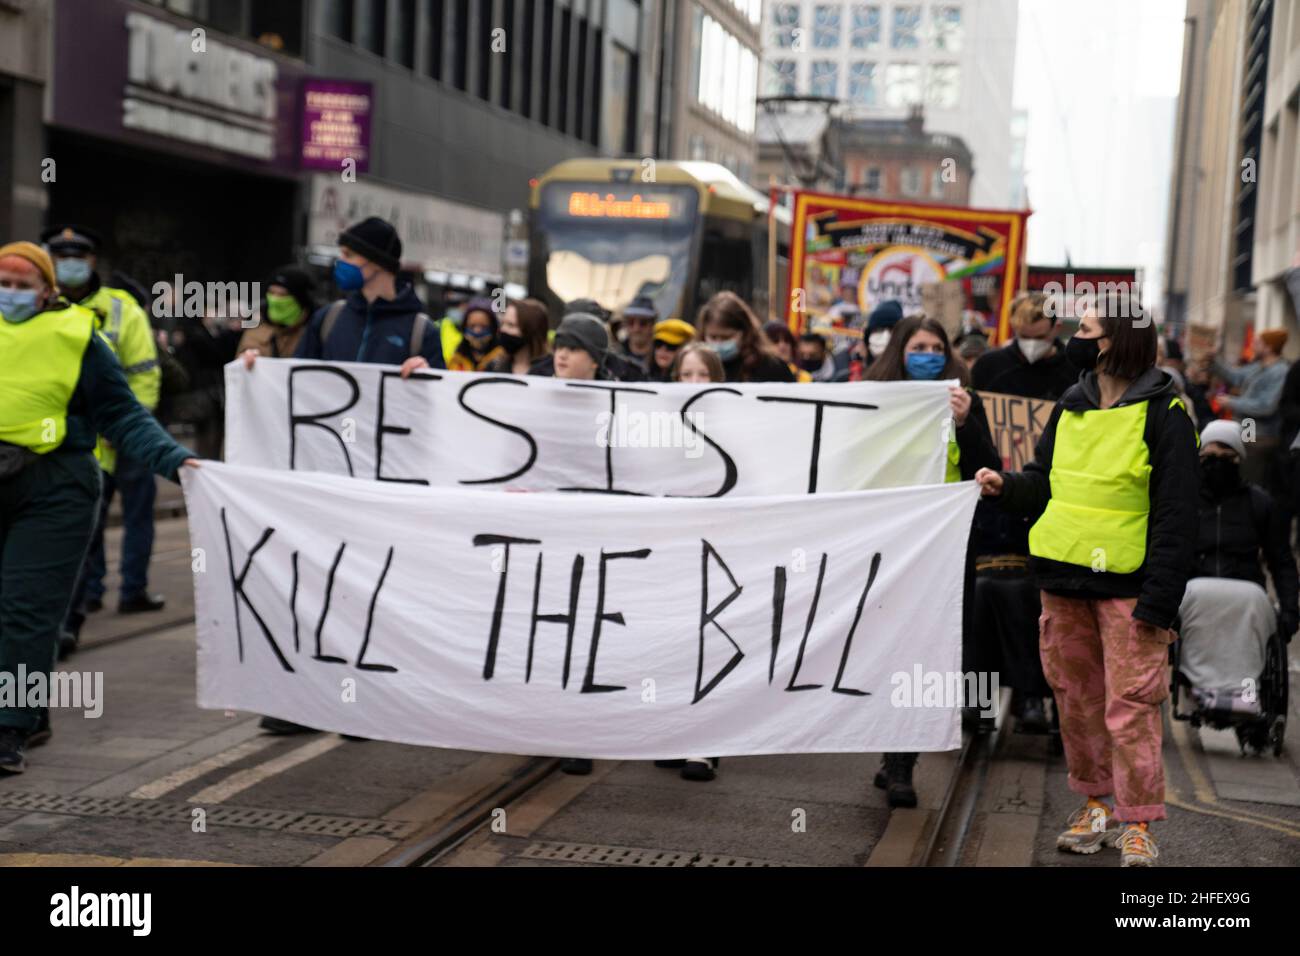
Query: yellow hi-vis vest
1101	491
40	364
952	470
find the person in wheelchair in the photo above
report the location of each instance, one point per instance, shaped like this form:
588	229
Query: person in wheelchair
1227	618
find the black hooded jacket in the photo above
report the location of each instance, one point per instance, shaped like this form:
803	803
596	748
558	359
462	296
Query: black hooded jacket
1007	370
1236	529
1172	520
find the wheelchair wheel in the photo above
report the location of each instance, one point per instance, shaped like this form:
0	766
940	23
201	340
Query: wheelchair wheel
1276	695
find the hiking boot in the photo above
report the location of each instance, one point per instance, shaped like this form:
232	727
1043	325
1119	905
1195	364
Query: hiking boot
1090	829
1137	846
12	743
895	778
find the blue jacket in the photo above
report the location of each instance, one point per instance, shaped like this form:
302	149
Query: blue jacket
378	332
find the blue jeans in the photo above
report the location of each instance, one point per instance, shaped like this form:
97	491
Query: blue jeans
136	483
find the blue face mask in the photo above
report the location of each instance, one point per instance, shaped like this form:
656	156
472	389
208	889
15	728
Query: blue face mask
926	365
348	277
18	305
73	273
727	350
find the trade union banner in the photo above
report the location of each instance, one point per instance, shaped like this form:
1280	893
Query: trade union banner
495	432
618	627
849	255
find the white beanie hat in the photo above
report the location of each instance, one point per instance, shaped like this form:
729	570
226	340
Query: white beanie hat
1225	433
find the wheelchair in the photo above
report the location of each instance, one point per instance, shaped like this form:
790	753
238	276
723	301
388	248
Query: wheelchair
1257	714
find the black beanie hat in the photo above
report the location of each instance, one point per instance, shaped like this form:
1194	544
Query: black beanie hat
580	330
376	240
299	283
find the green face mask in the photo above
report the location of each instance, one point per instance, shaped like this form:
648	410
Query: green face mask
282	309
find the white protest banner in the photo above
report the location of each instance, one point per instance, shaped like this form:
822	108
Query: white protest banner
480	430
580	625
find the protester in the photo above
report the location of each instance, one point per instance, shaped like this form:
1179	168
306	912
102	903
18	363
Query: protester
289	300
639	319
581	348
614	366
479	348
669	337
1032	364
880	324
522	336
918	349
1114	502
697	363
125	326
1240	524
970	346
815	357
60	386
378	321
729	326
1260	386
786	348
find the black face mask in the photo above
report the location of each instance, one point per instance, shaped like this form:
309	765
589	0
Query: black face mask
510	342
1221	475
811	365
1083	353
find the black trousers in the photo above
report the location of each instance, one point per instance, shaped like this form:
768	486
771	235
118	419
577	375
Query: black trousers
1004	638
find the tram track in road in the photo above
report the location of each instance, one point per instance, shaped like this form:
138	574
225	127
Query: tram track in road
946	844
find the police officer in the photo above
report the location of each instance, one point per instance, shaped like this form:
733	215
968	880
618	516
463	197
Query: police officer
126	327
60	386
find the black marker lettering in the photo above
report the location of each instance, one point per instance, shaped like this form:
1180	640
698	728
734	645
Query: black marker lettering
821	405
494	638
589	685
381	429
314	420
812	614
730	474
370	620
708	616
237	591
778	615
848	641
325	610
570	620
532	444
613	390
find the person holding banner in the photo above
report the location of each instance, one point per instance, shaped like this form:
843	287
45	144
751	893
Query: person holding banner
478	349
60	387
1113	491
730	327
522	336
919	349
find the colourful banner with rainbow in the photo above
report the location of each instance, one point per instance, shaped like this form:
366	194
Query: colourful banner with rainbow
848	255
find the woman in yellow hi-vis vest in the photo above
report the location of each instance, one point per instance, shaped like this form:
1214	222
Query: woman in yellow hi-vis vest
1114	487
60	386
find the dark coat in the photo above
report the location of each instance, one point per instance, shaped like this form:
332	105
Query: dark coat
1235	531
1007	371
378	332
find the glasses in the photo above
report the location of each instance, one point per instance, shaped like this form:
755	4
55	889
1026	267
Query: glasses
661	344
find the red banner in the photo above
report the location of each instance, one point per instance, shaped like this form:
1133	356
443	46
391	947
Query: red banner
849	255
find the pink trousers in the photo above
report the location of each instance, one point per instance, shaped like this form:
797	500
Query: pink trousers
1109	683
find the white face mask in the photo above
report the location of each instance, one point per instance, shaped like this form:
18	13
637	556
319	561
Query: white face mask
1034	349
877	341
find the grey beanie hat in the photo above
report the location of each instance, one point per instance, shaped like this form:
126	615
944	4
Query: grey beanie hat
579	330
1225	433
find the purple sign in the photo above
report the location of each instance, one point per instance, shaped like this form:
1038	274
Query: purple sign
335	124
